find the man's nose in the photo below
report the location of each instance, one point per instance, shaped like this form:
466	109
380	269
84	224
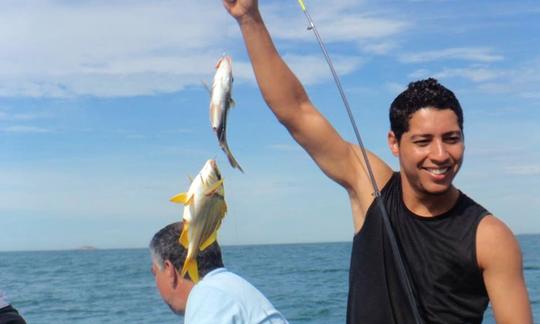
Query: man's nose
439	152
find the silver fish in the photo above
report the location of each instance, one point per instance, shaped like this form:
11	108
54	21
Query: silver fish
220	103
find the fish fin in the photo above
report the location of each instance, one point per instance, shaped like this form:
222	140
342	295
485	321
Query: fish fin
222	211
207	87
211	239
192	268
190	179
182	198
214	187
232	103
183	239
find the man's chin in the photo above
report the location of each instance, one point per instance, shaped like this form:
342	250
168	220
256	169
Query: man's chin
438	190
179	312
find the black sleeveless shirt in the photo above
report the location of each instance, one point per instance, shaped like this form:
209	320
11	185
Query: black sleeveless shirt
439	255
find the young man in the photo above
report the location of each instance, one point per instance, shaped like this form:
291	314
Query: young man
456	254
8	314
220	297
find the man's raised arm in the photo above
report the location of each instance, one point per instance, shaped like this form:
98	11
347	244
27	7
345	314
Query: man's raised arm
287	98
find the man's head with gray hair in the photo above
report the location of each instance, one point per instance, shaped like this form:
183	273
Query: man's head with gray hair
168	257
165	246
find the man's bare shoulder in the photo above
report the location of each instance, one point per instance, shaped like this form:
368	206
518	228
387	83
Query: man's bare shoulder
495	242
500	259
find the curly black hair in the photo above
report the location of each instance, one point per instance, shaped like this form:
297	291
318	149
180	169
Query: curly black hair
165	246
421	94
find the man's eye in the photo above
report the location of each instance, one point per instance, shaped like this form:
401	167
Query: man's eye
421	142
453	139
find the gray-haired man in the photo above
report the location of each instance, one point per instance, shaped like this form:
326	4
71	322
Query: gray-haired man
219	297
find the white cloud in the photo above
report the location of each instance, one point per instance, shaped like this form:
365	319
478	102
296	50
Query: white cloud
342	26
484	55
118	80
475	74
379	48
522	80
74	193
8	115
24	130
526	169
177	131
55	48
531	94
395	88
127	48
419	74
471	73
314	69
356	27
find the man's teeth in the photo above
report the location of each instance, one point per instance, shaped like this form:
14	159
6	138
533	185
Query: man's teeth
439	171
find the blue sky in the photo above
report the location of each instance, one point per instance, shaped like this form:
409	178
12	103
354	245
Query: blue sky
103	116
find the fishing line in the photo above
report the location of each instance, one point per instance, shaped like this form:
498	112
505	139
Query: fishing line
376	193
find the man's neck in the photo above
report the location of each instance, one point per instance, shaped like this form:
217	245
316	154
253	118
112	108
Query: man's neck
429	205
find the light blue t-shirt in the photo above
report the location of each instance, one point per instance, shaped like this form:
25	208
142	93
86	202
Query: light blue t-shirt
224	297
3	300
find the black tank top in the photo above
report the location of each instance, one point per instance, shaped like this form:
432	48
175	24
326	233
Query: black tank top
439	255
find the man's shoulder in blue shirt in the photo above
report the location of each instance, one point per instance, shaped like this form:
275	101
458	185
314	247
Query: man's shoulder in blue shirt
224	297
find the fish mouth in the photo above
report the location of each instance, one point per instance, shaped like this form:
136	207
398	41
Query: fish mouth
224	58
214	168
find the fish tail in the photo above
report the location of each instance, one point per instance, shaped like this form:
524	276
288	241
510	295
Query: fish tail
230	157
192	268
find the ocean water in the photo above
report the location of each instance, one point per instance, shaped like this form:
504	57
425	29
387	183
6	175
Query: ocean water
306	282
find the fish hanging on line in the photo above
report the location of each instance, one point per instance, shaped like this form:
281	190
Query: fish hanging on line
204	210
220	103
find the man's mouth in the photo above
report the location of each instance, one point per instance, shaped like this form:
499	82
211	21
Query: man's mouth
438	171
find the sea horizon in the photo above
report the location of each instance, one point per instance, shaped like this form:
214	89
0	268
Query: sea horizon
92	247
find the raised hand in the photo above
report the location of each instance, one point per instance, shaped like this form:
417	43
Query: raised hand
241	9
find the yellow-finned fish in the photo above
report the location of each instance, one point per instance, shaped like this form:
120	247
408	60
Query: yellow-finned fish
204	209
220	103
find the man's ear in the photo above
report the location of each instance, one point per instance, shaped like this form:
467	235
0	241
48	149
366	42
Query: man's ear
393	143
170	271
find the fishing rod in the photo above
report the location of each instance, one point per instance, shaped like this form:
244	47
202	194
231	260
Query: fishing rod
376	193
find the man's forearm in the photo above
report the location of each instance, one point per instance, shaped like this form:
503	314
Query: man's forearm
279	86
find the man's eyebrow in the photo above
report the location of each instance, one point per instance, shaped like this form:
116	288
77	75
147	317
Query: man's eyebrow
416	136
456	132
